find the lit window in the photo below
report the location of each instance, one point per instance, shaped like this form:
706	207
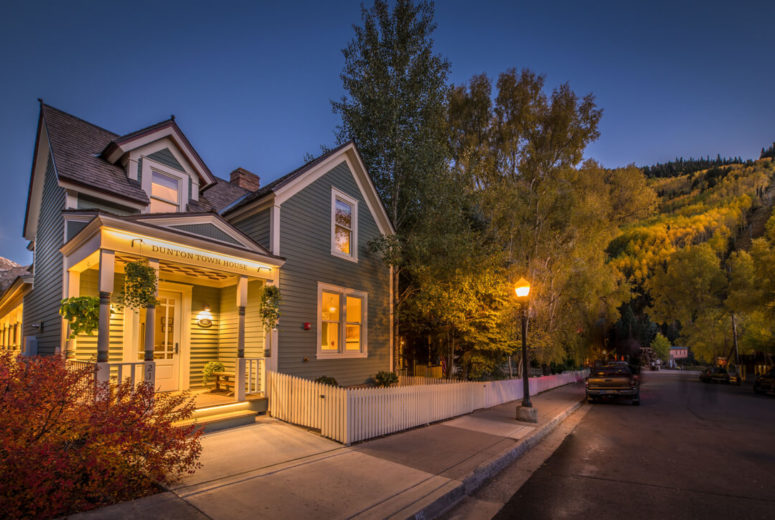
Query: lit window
341	322
165	193
344	226
343	230
329	322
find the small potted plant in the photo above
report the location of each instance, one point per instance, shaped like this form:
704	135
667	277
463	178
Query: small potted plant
209	370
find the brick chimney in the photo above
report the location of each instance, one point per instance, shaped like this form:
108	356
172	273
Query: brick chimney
245	179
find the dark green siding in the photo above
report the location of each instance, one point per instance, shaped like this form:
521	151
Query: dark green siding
86	202
229	322
74	227
305	242
257	227
41	305
208	231
165	157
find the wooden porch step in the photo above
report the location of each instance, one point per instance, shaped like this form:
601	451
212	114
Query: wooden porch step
216	418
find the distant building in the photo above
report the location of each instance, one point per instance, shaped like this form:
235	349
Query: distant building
678	353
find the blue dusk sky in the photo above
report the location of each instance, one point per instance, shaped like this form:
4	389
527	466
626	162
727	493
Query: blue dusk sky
250	83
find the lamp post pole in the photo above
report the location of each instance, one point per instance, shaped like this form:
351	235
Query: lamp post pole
525	412
526	385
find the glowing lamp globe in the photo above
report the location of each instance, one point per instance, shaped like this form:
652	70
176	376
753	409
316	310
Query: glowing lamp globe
522	289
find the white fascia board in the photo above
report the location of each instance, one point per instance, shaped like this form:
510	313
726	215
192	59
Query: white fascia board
144	151
202	219
167	131
103	196
38	179
163	234
362	179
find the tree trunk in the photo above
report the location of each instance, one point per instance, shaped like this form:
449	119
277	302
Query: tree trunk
734	341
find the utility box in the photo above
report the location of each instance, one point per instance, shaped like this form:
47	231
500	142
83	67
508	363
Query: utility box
30	346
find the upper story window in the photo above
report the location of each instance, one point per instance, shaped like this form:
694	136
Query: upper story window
344	226
165	193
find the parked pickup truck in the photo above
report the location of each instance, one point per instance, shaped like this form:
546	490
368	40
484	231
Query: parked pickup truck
612	381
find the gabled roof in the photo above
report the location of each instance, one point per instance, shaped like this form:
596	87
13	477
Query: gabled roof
285	179
76	147
289	184
119	146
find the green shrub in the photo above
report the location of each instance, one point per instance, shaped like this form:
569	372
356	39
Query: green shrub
210	368
384	378
82	314
139	289
327	381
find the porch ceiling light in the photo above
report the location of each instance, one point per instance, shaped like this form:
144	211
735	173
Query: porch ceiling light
205	318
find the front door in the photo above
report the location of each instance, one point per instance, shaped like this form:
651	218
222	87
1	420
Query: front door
166	348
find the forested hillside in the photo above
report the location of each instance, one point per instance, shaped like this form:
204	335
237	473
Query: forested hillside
699	265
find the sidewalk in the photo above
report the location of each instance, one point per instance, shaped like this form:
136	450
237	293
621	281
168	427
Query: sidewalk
274	470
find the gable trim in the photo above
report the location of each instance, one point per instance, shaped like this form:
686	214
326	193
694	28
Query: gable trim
120	146
40	155
213	219
103	195
348	154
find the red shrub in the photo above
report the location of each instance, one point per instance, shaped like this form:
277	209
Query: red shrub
69	445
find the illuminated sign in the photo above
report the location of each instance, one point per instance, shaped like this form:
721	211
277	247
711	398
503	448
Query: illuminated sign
162	250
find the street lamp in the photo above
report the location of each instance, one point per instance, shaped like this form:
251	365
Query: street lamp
525	412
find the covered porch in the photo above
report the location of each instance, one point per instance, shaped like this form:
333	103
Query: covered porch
207	310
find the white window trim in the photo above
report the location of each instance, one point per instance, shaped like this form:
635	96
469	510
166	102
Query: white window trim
343	354
149	166
336	194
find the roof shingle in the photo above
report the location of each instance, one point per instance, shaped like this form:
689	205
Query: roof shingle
76	146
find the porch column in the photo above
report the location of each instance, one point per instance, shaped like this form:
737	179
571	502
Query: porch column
242	300
271	343
107	266
149	367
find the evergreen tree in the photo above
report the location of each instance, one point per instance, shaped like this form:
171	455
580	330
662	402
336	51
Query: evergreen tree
394	110
394	107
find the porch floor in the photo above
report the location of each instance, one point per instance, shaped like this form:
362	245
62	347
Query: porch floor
207	398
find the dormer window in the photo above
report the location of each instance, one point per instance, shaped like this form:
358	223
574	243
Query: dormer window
165	193
344	226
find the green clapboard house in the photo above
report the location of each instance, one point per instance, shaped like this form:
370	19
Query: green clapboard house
98	201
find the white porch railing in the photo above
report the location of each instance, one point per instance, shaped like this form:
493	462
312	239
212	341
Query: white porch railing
78	364
255	375
117	372
352	415
133	371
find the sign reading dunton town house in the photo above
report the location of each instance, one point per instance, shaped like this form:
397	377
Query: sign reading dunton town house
214	261
154	248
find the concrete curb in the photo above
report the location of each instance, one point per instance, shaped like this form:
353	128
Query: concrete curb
486	471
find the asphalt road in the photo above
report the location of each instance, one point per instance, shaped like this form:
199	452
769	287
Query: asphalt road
690	450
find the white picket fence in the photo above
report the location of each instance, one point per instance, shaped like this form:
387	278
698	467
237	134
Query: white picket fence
423	380
352	415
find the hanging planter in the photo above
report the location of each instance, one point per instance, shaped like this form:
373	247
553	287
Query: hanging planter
82	314
139	289
269	307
